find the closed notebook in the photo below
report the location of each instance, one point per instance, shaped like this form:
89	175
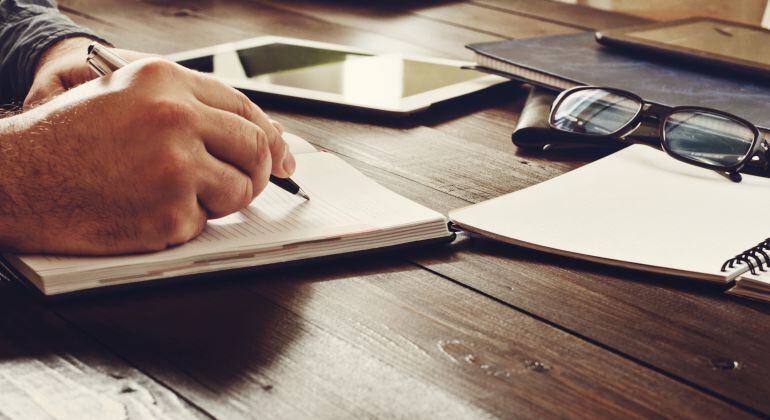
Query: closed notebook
565	61
347	213
637	208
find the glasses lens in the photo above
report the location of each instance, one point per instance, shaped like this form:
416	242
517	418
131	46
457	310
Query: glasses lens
595	112
708	138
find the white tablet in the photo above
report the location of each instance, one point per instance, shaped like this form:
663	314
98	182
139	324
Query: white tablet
336	74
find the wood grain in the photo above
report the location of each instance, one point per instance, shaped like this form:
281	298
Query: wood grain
50	370
686	329
455	154
166	26
572	15
425	23
371	337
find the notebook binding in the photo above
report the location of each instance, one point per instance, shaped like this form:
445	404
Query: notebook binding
452	226
756	258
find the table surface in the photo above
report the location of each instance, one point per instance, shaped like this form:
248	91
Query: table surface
468	330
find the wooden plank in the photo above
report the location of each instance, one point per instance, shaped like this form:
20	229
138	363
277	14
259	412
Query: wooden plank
50	370
558	289
477	168
491	21
408	153
440	26
442	38
692	331
567	292
573	15
165	27
372	337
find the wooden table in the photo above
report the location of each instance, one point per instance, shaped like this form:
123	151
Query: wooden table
473	329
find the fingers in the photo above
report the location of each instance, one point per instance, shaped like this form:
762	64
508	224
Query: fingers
240	143
289	163
223	189
278	126
180	223
216	94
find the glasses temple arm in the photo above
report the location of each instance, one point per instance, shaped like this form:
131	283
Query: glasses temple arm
761	155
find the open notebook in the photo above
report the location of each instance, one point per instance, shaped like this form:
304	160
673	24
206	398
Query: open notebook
641	209
348	212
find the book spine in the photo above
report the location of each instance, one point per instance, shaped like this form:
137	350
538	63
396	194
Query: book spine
523	73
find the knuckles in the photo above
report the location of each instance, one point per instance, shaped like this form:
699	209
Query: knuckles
245	191
262	146
173	165
175	225
175	220
170	113
155	69
235	193
244	105
262	168
176	167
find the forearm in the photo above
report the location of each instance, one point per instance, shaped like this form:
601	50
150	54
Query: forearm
27	30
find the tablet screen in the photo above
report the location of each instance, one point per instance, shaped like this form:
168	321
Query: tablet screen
382	79
713	37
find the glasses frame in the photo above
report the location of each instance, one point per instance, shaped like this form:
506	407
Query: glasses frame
662	114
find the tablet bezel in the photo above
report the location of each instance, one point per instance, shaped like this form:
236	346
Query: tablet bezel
407	105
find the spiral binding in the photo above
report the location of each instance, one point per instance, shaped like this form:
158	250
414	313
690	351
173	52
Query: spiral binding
752	258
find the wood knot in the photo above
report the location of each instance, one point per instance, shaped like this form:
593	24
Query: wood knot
536	365
183	13
723	363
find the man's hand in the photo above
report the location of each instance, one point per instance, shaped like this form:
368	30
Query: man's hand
62	67
134	161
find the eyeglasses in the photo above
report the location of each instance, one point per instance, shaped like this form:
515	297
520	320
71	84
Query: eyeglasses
699	136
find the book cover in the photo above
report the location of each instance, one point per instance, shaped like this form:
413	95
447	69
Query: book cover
578	57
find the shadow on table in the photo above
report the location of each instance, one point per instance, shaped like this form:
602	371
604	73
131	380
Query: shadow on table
510	95
489	261
225	336
212	334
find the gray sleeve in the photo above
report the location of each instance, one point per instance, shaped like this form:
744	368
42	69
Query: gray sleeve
27	29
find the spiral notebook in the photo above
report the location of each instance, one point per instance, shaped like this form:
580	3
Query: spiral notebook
641	209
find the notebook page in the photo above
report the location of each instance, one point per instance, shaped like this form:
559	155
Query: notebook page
637	207
343	202
762	277
297	144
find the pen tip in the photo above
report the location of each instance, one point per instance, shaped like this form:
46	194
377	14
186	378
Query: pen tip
303	195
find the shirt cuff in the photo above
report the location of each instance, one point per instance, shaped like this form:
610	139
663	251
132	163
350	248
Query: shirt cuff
45	43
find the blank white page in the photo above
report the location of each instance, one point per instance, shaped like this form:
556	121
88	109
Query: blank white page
638	207
297	144
343	202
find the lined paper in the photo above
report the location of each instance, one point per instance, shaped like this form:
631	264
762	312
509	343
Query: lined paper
343	202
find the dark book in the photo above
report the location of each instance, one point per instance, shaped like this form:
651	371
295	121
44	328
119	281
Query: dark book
560	62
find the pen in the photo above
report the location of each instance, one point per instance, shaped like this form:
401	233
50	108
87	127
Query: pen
103	61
